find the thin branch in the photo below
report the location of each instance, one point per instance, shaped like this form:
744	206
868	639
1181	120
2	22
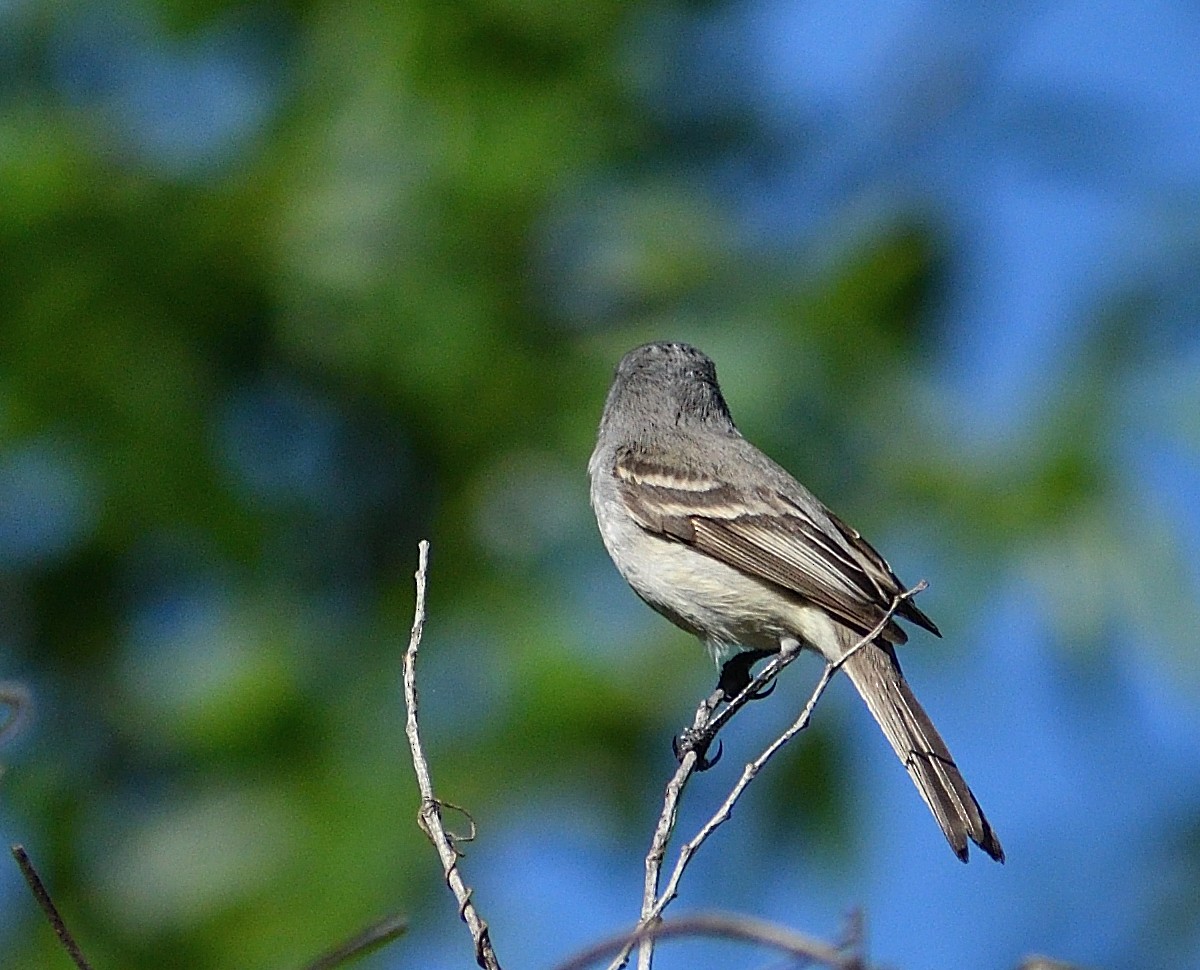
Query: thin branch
704	727
787	653
430	815
653	907
42	895
854	939
667	818
367	941
726	926
1039	962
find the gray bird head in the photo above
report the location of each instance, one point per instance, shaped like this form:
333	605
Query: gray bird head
667	384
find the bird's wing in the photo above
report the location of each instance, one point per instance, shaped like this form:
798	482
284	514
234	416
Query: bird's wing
766	534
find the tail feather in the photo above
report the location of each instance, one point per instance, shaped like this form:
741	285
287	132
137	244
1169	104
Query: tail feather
876	674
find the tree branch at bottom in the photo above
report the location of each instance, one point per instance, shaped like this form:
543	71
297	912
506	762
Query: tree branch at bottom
726	926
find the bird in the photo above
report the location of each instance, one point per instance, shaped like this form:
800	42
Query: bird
728	546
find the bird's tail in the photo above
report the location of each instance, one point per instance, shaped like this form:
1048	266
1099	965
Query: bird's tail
876	674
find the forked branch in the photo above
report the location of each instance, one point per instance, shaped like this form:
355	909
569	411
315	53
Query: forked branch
706	726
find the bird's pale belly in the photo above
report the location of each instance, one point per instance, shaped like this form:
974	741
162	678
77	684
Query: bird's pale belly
727	609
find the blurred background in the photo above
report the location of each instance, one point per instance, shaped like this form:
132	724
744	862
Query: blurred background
285	287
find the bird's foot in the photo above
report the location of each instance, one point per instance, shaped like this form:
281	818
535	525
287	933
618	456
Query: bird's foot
735	675
697	742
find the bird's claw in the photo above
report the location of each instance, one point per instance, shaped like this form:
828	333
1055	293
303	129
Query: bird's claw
735	674
704	762
696	743
767	691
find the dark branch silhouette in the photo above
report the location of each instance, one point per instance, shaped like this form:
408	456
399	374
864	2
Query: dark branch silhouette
42	895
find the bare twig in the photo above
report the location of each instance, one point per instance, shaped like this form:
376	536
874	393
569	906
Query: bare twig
1039	962
788	652
42	895
806	950
706	726
653	905
854	939
430	815
370	939
666	820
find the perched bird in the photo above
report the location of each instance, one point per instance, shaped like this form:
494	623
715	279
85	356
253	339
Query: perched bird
727	545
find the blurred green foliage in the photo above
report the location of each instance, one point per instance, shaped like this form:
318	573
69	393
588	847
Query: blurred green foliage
391	312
